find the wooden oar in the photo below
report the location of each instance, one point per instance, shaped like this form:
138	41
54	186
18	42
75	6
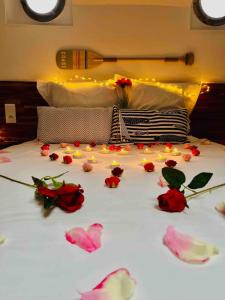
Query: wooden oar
86	59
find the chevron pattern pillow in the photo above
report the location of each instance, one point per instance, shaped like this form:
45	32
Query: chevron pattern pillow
147	126
68	124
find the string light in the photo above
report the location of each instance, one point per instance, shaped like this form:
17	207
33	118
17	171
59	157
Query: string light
205	88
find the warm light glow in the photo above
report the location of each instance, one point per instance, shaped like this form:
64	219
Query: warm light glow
42	6
214	8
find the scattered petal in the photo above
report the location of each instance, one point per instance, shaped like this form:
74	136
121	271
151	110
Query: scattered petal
220	207
89	240
63	145
87	167
205	142
162	182
4	160
187	248
112	182
44	152
2	239
186	157
118	285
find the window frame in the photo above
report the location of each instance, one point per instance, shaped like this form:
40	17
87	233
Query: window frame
204	18
47	17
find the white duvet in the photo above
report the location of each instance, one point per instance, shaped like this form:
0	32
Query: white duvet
37	262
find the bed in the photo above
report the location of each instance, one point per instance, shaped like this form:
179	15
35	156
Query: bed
37	262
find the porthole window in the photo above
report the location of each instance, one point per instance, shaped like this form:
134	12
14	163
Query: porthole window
210	12
43	10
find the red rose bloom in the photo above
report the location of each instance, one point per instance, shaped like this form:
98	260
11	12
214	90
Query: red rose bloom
76	144
45	147
171	163
112	147
67	159
195	152
172	201
123	82
70	197
118	148
93	144
169	145
140	146
53	156
117	172
149	167
112	182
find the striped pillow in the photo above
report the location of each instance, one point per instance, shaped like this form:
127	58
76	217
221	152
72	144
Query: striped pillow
147	126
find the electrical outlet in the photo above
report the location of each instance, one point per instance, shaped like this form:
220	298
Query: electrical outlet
10	113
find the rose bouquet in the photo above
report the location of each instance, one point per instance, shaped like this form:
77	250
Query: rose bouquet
51	193
122	87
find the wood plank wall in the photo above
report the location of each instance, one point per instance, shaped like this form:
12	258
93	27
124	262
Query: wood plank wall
207	119
208	116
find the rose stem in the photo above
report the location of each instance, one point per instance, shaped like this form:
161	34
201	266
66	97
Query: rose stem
205	191
17	181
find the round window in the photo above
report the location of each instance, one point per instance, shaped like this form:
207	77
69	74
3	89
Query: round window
210	12
43	10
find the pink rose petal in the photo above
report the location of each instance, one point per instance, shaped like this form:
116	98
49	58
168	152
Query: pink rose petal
4	151
162	182
4	160
187	248
118	285
89	240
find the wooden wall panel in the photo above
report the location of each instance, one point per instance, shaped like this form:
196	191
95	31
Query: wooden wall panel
26	98
207	118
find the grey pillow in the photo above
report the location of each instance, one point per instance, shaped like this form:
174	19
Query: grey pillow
69	124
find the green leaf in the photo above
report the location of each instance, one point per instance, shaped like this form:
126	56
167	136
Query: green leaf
38	182
57	184
174	177
200	180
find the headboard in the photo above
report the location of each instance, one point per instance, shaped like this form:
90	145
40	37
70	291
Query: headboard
207	118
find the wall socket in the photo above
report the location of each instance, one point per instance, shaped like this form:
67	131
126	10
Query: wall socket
10	113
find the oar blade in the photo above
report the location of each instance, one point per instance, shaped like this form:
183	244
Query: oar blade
78	59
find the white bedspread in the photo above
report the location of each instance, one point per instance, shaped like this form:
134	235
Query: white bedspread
37	263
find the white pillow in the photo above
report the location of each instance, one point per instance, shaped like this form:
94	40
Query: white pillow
188	90
69	124
89	95
152	97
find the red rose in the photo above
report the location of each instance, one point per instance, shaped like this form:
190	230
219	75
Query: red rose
45	147
45	192
53	156
172	201
76	144
169	145
112	147
171	163
93	144
112	182
151	145
149	167
195	152
117	172
140	146
67	159
70	197
118	148
123	82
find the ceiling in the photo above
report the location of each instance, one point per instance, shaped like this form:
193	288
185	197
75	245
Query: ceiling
179	3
